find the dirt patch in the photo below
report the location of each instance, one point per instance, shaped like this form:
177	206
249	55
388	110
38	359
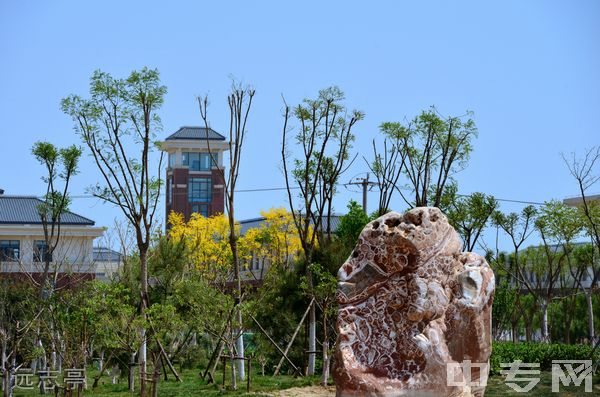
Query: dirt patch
310	391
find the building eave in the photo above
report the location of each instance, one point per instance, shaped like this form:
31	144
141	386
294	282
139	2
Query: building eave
37	230
174	145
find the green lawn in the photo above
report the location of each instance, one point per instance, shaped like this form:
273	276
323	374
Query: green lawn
497	388
193	385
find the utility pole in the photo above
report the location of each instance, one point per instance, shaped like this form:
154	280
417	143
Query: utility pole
365	183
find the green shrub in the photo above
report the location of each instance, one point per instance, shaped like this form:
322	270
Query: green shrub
543	353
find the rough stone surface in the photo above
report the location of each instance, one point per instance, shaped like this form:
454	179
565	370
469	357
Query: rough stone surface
410	302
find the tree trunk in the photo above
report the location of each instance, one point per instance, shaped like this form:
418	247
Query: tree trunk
59	362
312	341
7	380
101	362
545	335
233	371
4	358
156	375
239	347
9	372
142	363
568	330
143	306
514	332
239	343
131	374
590	310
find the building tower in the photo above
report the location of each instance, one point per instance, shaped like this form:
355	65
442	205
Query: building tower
193	182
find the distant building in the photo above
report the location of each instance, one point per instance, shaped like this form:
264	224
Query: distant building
108	263
255	270
22	244
563	282
193	180
577	201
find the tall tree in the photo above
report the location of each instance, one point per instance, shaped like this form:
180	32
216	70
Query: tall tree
324	137
519	227
61	164
322	289
562	226
118	123
436	148
240	102
469	214
585	172
387	166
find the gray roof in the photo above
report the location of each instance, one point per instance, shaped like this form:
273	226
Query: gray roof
577	201
23	210
104	254
257	222
199	133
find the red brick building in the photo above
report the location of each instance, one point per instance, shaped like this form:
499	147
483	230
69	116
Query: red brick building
194	181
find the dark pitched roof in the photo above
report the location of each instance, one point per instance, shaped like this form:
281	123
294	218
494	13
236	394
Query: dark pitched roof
24	210
199	133
256	222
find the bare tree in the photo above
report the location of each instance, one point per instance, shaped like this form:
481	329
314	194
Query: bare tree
118	124
584	171
240	103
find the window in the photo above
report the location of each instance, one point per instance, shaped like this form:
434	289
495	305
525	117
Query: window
202	209
172	160
40	252
197	161
207	156
10	250
199	190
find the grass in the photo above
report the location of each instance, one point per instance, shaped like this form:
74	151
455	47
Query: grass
193	385
497	387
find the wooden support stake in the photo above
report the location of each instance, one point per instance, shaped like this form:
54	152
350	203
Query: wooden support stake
214	358
164	354
296	370
289	345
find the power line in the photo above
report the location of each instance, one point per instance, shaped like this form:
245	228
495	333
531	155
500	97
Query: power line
162	194
270	189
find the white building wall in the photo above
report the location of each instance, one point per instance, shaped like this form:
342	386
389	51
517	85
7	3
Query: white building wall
74	252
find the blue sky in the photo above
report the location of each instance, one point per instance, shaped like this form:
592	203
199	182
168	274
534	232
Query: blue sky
530	72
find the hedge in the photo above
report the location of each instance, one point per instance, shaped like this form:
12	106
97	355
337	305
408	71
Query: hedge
543	353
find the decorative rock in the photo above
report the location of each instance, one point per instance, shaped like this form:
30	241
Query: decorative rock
412	309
